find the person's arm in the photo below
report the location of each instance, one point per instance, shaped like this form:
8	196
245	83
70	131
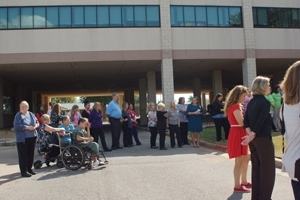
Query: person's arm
51	129
79	115
82	139
92	115
239	117
108	110
264	111
181	109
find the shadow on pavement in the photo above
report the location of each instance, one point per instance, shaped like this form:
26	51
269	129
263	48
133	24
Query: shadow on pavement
236	196
9	178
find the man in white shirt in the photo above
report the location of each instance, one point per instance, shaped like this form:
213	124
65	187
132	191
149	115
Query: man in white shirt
51	104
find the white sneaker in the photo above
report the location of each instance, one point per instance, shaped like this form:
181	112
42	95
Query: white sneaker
96	164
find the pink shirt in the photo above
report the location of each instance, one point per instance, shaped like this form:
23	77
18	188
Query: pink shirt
133	117
245	103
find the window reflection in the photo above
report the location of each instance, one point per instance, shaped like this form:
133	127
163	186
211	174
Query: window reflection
152	16
52	17
177	16
201	16
64	16
26	18
115	15
212	16
189	16
140	15
3	18
39	17
127	16
223	16
90	16
14	18
103	16
77	17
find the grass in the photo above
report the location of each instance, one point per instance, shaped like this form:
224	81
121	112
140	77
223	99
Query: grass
209	135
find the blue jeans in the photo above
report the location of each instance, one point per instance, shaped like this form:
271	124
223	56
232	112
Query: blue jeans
296	189
135	135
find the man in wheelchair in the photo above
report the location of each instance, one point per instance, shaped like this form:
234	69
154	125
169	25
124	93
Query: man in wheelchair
81	136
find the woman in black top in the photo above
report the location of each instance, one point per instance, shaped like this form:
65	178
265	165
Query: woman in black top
219	117
86	112
258	123
126	126
161	125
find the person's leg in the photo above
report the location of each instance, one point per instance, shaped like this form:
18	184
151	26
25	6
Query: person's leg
238	163
198	139
118	125
95	134
193	138
178	136
30	153
130	137
244	169
162	137
296	189
153	132
102	138
22	154
182	132
172	132
265	150
135	135
276	118
255	172
125	135
226	127
114	133
218	124
94	147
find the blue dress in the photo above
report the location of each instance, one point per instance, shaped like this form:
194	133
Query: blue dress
195	121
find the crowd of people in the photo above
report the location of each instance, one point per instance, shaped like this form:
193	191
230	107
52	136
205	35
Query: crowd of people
247	118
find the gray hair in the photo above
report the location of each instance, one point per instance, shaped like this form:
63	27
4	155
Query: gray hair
113	95
259	85
25	102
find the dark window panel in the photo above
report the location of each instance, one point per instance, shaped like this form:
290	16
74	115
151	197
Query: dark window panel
52	17
189	16
65	17
177	16
3	18
201	16
153	16
77	16
115	16
103	16
39	18
294	18
90	16
27	17
283	17
254	12
14	21
212	16
127	16
273	17
262	17
235	16
140	16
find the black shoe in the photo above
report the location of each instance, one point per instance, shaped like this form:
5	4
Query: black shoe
113	148
31	172
119	147
154	147
138	144
163	149
180	146
107	149
128	145
25	174
187	143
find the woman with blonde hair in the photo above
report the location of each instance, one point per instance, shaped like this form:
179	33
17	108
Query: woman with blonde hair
95	118
258	124
152	119
195	115
173	122
291	118
74	115
236	150
56	115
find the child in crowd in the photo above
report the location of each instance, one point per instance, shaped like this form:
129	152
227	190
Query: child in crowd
161	125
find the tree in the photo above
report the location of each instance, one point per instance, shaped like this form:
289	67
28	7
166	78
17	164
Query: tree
63	100
190	99
101	99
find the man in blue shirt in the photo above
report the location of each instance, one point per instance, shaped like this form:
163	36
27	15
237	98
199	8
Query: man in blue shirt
114	114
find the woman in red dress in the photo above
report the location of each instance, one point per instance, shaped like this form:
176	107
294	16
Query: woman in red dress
236	150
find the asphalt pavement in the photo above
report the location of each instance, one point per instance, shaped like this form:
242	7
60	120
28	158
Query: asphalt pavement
137	173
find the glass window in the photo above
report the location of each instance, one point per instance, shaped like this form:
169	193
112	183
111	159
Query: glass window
262	17
103	16
26	17
273	17
140	15
223	16
201	16
254	16
77	16
52	17
39	17
177	16
235	16
3	18
283	17
64	16
13	18
294	18
90	16
212	16
115	16
153	16
189	15
127	16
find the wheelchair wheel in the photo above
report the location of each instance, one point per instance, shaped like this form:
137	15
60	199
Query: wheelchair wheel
37	164
73	157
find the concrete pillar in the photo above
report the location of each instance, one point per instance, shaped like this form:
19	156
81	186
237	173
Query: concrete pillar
129	96
197	88
217	82
143	101
121	100
151	86
1	103
204	101
167	76
249	64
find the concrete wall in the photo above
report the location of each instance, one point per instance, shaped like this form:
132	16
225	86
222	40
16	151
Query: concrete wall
277	3
207	2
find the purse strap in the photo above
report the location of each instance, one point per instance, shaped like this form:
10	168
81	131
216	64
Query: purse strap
282	128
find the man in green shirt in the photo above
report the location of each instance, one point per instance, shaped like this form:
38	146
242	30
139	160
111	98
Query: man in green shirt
277	105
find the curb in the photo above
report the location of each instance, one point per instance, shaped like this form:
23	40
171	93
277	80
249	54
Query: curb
7	142
278	162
